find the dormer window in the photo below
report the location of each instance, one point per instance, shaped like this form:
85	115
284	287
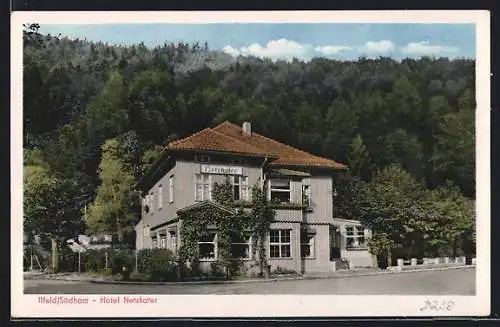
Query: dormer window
202	159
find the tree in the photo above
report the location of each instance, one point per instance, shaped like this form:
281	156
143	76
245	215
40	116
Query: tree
456	214
49	206
390	204
111	211
454	150
308	125
349	189
404	149
341	123
149	157
106	115
151	97
358	159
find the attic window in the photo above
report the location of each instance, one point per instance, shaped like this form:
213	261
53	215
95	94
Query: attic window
202	159
239	162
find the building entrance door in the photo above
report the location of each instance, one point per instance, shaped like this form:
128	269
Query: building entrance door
335	241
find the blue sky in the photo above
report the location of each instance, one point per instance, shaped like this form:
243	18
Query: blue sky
284	41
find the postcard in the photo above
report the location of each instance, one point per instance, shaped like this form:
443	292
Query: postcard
250	164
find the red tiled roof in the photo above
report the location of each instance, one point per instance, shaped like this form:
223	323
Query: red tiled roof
211	140
287	155
228	137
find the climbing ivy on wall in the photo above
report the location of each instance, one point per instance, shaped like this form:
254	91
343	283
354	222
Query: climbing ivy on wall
234	221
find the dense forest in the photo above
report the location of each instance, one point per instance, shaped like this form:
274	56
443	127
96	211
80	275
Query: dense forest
367	113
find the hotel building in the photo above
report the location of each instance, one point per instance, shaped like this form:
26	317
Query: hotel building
305	236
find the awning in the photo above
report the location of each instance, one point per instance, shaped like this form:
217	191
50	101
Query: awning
289	172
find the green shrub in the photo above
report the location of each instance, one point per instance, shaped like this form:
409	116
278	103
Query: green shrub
283	271
217	269
95	260
139	277
67	259
119	259
158	263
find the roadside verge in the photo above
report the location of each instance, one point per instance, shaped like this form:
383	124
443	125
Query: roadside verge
339	274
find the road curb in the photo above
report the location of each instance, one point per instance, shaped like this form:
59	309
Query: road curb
247	281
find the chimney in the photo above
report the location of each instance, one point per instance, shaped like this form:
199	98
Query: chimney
247	128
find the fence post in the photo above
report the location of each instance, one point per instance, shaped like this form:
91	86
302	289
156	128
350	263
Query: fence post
79	261
106	258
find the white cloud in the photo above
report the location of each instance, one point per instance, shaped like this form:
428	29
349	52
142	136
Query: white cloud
275	49
332	49
286	50
425	48
380	47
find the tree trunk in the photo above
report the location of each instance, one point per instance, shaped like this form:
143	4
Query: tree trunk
31	257
55	258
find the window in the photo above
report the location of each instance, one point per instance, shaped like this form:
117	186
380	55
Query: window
279	243
279	190
240	187
203	187
147	206
355	237
172	245
145	230
306	244
171	189
163	241
239	162
241	246
154	243
160	196
306	195
151	202
202	158
207	246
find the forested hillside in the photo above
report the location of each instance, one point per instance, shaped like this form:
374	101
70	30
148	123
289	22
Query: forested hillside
367	113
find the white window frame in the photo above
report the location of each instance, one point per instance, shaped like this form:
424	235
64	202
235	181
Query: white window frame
248	243
203	183
171	189
160	196
214	242
163	241
172	241
280	243
271	189
358	232
242	183
311	244
152	202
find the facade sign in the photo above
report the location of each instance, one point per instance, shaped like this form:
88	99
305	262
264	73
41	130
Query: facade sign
223	170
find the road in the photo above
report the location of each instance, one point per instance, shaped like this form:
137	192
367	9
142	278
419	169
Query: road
443	282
